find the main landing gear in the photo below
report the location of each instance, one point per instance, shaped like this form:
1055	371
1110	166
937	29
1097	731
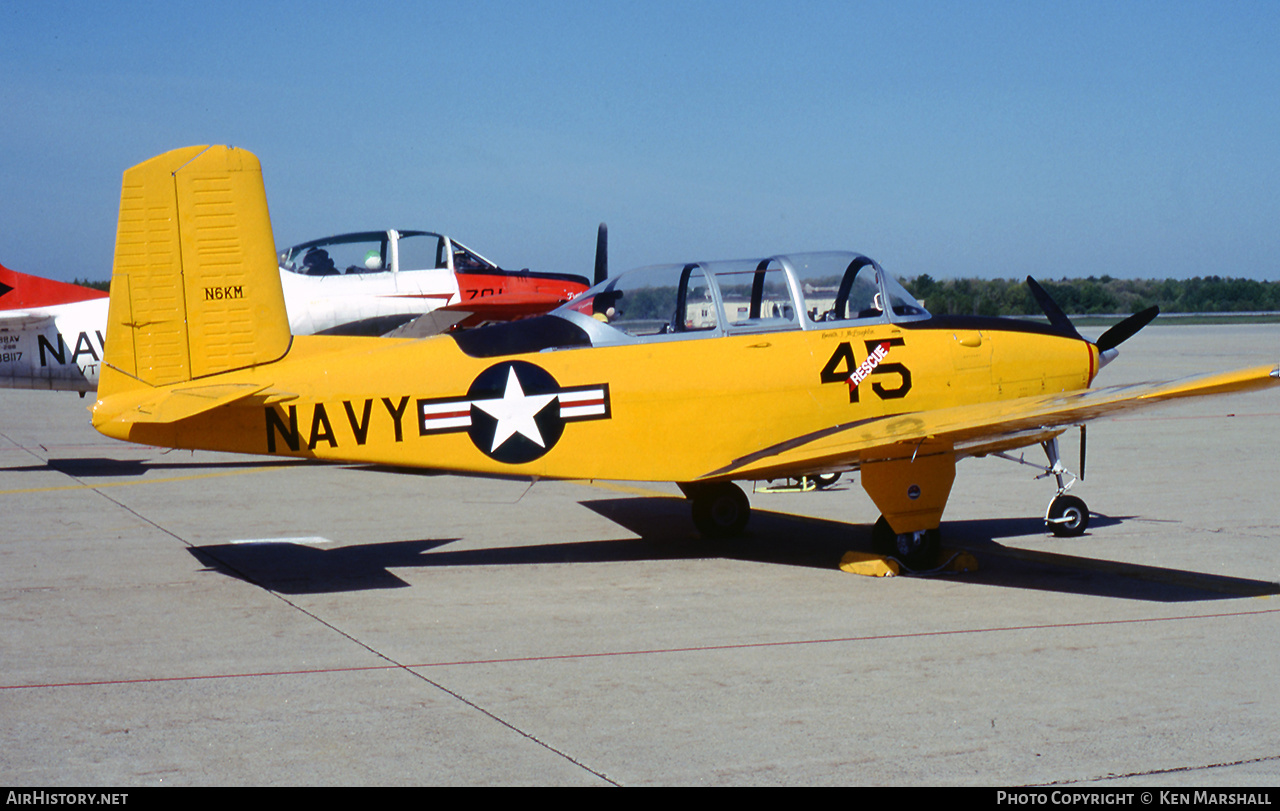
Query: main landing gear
803	484
1067	516
720	509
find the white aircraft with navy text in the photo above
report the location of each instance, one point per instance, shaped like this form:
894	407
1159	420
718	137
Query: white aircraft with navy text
405	283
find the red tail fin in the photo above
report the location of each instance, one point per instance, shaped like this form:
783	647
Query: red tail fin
20	291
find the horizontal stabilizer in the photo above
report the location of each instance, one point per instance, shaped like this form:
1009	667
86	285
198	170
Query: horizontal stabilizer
170	404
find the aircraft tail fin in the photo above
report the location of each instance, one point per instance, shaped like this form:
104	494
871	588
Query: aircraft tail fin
22	291
195	289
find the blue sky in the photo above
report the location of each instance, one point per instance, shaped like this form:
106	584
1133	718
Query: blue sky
951	138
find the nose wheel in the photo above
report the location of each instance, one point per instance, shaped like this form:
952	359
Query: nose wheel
1067	516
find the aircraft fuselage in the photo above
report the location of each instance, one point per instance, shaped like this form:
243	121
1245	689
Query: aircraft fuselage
680	408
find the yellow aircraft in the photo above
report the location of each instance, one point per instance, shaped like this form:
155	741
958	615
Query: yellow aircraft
699	373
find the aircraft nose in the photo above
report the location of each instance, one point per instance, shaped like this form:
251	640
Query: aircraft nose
1107	355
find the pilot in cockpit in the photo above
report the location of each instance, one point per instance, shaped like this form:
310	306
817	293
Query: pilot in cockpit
317	262
604	305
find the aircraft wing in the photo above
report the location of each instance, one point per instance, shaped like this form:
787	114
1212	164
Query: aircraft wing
975	429
499	307
25	319
435	322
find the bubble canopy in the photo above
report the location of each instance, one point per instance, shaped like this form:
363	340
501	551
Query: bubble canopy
809	291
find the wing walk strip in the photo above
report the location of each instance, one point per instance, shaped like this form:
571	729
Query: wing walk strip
644	652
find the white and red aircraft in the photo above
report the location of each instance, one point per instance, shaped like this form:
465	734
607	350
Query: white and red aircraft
405	283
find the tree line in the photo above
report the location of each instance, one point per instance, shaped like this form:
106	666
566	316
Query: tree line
1091	296
1096	295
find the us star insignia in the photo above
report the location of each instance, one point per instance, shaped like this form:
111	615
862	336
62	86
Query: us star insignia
514	412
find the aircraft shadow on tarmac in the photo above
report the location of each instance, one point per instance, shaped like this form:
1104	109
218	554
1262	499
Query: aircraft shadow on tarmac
665	533
96	466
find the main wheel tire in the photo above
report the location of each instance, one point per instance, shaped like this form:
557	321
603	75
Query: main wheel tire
825	480
1068	517
721	510
915	550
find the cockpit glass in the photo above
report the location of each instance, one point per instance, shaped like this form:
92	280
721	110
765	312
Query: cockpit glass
420	251
652	301
849	287
349	254
756	295
746	296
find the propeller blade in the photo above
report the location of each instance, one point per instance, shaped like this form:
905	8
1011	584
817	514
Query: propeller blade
1125	329
1082	444
1057	317
602	254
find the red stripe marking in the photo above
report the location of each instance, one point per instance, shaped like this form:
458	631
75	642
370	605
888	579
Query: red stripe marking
647	651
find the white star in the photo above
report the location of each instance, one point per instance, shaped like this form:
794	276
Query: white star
515	412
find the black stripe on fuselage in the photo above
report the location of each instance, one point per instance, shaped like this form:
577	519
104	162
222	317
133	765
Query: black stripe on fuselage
988	323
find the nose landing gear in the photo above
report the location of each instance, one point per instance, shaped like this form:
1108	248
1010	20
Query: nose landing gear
1067	516
917	550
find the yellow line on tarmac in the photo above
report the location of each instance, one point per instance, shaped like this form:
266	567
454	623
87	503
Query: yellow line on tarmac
166	480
